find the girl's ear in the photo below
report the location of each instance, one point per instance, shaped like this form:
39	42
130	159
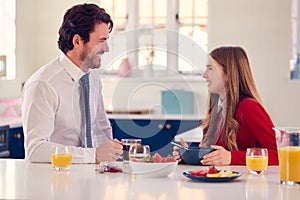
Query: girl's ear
226	78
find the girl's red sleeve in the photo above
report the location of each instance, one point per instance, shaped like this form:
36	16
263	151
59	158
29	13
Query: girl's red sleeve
255	130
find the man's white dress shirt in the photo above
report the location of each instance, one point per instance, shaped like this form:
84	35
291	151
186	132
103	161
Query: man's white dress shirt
51	112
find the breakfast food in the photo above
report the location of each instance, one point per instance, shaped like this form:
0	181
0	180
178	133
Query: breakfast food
112	169
212	172
156	158
107	167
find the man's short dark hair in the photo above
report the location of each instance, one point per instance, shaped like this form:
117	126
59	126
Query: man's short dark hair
81	20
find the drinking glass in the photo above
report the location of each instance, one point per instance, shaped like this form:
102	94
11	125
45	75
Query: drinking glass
288	144
139	152
61	158
126	145
257	160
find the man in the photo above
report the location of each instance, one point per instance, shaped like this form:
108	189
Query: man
54	110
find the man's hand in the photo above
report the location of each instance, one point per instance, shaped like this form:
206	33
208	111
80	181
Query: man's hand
109	151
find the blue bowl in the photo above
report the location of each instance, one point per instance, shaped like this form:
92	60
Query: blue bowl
194	155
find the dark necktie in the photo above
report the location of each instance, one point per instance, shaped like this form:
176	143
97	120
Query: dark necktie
86	101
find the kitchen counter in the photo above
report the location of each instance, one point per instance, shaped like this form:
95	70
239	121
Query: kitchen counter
23	180
155	116
156	130
15	122
12	122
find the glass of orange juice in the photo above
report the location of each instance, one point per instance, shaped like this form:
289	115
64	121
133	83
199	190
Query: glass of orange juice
257	160
288	144
61	158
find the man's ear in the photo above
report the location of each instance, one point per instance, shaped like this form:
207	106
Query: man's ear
77	40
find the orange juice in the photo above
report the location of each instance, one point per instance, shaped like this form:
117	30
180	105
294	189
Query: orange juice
61	160
256	163
289	163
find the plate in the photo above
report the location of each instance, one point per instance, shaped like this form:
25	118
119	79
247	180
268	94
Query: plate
211	179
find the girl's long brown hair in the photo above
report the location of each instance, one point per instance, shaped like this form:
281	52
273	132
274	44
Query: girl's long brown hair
235	64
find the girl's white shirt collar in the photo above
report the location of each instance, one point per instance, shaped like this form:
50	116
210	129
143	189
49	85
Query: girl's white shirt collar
222	104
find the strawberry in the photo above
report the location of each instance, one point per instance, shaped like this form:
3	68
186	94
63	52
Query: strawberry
212	170
203	173
199	172
157	158
170	159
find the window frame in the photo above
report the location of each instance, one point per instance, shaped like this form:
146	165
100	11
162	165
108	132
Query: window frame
171	27
8	39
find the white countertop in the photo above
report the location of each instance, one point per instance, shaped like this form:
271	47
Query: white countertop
13	122
23	180
155	116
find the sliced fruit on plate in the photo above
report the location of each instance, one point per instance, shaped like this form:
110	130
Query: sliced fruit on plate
157	158
212	172
204	172
216	177
199	172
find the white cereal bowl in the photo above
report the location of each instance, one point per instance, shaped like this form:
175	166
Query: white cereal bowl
152	170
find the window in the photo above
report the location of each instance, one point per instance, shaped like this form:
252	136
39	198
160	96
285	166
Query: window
163	35
295	61
117	42
7	39
152	39
193	32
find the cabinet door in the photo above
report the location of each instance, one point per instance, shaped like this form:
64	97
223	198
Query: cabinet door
156	133
168	132
16	143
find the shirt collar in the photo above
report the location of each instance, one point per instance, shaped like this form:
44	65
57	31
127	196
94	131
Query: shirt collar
74	71
222	104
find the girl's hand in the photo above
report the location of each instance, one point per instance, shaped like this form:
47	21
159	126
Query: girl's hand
176	153
218	157
183	143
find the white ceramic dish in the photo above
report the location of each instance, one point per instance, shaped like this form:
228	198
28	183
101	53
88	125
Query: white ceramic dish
152	170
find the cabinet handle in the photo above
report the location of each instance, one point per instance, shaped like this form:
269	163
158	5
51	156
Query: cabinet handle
17	136
168	126
160	126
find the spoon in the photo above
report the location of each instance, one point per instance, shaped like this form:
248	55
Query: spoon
180	146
